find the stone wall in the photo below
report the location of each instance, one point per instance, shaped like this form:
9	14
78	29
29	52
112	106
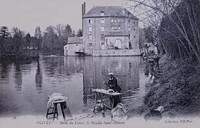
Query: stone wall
71	49
127	52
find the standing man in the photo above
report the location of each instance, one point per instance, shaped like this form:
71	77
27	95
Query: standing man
112	84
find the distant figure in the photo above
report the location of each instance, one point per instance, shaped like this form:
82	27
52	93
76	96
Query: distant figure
112	84
156	59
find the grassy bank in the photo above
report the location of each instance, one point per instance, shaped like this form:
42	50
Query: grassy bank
177	89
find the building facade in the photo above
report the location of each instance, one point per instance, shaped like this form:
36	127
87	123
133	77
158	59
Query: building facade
110	31
74	47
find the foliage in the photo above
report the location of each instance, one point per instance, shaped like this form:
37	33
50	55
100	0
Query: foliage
3	36
51	42
79	33
55	38
178	87
149	34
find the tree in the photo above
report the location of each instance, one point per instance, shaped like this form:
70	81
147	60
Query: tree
80	33
38	36
179	20
179	32
4	33
38	33
60	29
149	34
142	39
49	40
28	40
18	36
68	31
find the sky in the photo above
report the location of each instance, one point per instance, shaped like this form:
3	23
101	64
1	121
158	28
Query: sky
27	14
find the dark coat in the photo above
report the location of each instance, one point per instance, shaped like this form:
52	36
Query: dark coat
112	83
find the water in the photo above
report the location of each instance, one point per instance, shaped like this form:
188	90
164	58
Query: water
25	86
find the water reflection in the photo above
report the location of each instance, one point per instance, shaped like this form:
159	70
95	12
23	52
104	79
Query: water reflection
125	69
18	76
4	70
72	76
38	77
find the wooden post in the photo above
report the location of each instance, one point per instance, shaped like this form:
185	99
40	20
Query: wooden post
62	109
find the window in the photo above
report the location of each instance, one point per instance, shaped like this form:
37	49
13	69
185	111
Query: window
133	22
90	21
115	20
90	37
112	27
128	21
134	36
129	28
102	29
102	13
102	37
102	21
118	20
119	27
112	20
90	28
133	29
90	44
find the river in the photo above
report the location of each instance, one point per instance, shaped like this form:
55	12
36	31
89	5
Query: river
25	85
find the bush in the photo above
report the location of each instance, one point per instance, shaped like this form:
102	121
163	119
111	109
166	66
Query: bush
179	86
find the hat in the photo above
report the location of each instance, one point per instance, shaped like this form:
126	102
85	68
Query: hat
110	73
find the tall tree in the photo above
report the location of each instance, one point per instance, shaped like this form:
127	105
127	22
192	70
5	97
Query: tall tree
80	33
68	31
4	33
38	33
60	29
28	40
149	34
18	36
49	40
181	19
38	36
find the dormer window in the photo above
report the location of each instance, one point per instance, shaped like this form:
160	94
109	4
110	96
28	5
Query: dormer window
102	13
90	21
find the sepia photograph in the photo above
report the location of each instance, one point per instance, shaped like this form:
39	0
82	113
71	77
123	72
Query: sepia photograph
99	63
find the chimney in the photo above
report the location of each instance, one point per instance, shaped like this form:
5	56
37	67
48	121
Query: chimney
83	13
83	9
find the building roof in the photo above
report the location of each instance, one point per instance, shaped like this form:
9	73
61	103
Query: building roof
109	11
75	40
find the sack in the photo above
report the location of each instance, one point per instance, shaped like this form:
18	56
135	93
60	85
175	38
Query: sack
119	112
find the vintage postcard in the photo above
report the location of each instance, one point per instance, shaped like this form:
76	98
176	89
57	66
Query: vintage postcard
99	63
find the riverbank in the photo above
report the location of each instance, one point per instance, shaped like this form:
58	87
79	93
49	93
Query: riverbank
177	90
23	55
